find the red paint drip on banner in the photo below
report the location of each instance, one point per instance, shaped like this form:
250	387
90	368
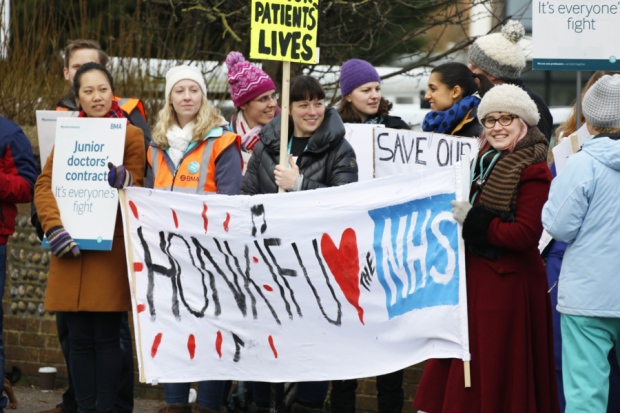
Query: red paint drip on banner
273	347
226	222
218	343
255	260
141	308
138	266
191	346
176	220
134	209
204	217
156	344
267	287
344	263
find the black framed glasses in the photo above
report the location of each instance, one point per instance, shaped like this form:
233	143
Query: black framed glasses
265	99
504	120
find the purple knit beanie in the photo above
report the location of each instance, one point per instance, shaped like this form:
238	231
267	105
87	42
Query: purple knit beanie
246	80
356	72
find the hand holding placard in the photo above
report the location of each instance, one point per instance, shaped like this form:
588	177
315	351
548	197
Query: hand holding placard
119	177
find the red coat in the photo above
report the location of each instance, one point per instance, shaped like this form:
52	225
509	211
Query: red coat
509	313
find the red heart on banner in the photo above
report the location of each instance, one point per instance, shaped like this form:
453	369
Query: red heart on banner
344	264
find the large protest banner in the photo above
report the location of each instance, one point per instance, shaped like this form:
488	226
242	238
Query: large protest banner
575	34
87	204
337	283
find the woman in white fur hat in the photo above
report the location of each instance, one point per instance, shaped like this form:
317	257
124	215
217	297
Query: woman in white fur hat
511	338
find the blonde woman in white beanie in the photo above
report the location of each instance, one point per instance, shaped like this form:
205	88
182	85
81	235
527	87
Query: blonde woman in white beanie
509	312
192	153
582	211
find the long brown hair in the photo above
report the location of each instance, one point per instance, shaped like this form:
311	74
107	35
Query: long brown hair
349	115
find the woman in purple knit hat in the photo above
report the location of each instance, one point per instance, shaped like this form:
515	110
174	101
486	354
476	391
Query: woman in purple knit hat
362	102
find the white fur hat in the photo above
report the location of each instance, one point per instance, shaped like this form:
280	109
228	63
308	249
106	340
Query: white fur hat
499	54
511	99
178	73
601	104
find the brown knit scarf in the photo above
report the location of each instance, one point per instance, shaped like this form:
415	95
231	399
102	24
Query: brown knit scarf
500	189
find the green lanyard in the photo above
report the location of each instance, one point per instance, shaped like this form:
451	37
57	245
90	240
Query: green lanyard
483	172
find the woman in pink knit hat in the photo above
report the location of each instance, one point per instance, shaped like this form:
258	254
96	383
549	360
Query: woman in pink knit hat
254	95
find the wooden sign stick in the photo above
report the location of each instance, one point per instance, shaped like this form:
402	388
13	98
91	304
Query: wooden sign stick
286	92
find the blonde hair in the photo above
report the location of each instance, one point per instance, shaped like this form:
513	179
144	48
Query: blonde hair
206	119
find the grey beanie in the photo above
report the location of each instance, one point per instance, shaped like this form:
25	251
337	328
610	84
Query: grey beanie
499	54
601	104
511	99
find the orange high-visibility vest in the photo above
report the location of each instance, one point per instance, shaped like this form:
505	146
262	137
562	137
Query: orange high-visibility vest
196	171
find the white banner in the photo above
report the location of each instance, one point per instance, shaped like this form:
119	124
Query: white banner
87	203
400	151
336	283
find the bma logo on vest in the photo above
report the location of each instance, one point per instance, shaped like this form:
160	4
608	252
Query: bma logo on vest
192	168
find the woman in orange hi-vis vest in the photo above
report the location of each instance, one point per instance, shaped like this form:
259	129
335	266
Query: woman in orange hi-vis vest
192	153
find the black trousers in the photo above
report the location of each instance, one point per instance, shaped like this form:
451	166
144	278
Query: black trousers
390	395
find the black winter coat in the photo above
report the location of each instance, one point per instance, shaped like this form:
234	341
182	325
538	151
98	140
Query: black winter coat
328	160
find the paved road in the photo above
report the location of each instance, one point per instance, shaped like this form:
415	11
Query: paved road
33	400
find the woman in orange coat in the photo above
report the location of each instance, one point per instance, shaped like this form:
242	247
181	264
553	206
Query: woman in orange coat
91	287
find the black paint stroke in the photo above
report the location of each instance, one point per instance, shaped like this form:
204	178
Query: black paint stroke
152	269
238	344
284	272
258	210
338	320
367	273
274	242
197	313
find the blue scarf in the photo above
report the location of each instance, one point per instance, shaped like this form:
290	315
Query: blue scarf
444	121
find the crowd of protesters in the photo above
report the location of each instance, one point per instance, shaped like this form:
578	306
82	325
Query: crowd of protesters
527	355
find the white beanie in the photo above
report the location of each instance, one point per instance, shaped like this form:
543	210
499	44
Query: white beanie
183	72
601	104
511	99
499	54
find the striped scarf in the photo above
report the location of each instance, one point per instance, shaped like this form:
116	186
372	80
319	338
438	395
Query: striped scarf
249	136
500	189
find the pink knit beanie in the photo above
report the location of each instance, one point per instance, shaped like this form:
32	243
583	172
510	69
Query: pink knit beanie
246	80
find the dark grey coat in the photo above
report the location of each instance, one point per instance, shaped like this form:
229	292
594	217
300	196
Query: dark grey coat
329	159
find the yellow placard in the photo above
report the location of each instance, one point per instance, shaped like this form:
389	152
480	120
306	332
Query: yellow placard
285	30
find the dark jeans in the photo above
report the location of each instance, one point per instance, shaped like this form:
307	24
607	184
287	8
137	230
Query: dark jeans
3	399
390	396
124	399
210	393
95	354
309	393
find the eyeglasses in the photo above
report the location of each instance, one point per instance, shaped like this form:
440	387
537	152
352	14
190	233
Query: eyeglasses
504	120
265	99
